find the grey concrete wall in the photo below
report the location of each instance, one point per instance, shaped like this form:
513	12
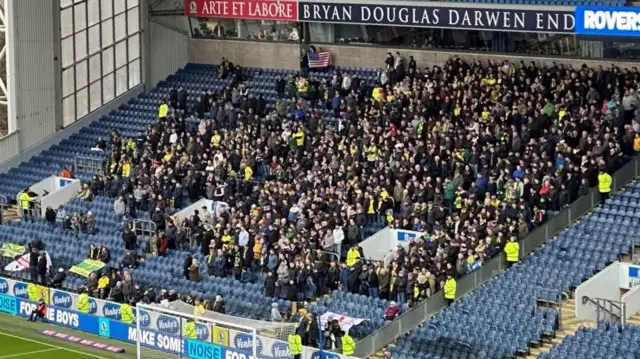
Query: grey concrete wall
282	55
245	53
373	57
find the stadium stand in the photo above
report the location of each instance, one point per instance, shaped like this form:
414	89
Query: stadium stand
516	143
605	341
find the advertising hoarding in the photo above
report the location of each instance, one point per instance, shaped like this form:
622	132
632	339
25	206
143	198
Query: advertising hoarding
607	21
158	331
468	17
247	10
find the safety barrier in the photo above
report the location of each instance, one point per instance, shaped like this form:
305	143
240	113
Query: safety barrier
539	236
145	228
88	164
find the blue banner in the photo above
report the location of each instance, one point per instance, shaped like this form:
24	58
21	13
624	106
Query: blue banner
63	317
439	16
8	304
607	21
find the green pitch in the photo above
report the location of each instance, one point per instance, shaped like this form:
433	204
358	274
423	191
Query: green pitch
22	339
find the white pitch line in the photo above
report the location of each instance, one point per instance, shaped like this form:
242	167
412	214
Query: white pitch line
51	345
29	353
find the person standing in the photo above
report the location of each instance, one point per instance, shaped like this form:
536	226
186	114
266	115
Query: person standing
512	249
604	184
295	345
33	264
450	289
348	344
42	268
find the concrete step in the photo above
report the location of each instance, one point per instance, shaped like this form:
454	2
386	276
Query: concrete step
635	320
571	322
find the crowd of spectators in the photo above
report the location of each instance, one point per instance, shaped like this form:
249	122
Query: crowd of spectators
473	154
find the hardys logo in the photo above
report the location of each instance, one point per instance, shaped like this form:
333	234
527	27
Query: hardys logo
111	311
280	350
203	332
62	299
4	286
144	318
168	324
20	290
93	306
245	341
324	355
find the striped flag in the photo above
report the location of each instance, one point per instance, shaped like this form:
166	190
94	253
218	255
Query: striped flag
319	59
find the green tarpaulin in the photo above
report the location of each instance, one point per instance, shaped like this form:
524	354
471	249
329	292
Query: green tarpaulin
87	266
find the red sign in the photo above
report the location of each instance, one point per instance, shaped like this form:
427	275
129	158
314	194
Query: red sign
243	9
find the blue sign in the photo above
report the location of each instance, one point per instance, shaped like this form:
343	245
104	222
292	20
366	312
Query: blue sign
111	311
59	316
280	350
104	327
4	286
61	299
93	306
148	338
324	355
245	341
8	304
144	318
168	324
634	272
203	332
20	290
201	350
438	16
607	21
405	236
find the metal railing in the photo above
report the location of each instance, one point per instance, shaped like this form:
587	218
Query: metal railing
612	311
550	298
539	236
88	164
147	229
329	256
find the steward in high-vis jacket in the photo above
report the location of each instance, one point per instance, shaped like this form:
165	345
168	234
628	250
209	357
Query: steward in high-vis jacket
126	314
604	184
190	330
512	249
295	345
450	289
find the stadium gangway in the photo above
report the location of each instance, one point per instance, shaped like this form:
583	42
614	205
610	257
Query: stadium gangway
88	164
409	320
550	298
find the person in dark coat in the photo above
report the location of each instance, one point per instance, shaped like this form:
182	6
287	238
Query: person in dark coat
129	239
173	97
218	305
33	264
42	268
50	216
354	280
59	278
187	264
333	276
292	291
270	285
312	331
158	219
182	98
